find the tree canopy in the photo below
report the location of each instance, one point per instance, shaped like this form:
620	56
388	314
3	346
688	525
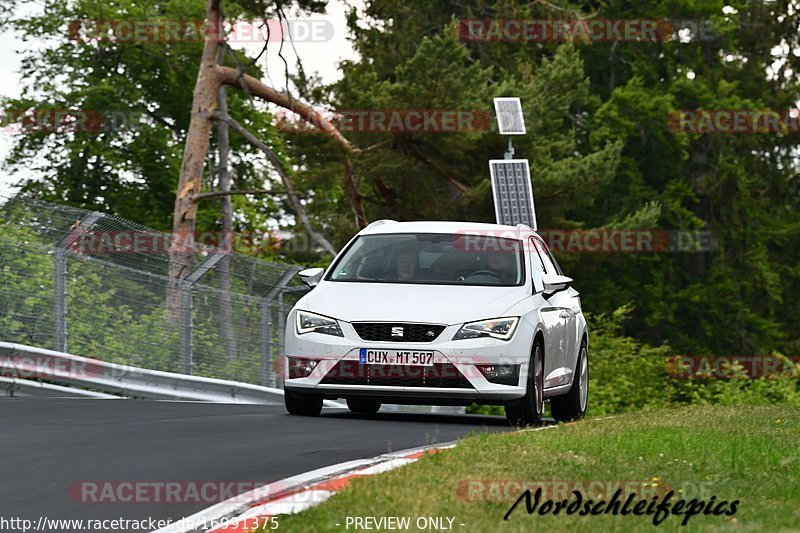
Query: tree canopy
601	139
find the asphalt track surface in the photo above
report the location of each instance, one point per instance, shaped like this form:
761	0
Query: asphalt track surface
51	448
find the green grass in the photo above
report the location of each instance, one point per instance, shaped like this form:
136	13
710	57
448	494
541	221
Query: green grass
745	453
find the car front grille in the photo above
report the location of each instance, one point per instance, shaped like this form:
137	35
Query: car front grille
440	375
397	332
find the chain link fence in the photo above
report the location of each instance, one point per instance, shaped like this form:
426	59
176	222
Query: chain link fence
95	285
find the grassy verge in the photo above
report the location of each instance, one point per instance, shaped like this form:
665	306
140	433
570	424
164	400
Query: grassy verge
745	453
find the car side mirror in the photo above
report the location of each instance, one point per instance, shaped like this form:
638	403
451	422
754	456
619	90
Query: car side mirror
554	283
311	276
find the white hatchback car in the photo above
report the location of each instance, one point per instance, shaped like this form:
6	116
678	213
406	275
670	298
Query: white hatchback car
439	313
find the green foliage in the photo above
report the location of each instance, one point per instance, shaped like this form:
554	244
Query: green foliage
625	374
628	375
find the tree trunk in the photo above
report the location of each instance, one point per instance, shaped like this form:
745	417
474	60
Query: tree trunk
226	326
181	259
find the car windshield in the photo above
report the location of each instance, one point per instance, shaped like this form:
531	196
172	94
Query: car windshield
431	258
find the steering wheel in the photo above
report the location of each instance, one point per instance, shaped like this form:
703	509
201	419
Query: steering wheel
484	272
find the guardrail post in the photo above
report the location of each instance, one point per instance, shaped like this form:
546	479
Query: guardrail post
60	265
268	378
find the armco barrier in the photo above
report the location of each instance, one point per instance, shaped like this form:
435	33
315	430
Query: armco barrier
27	387
22	364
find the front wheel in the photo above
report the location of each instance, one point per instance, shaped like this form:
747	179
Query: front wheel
572	405
528	411
302	405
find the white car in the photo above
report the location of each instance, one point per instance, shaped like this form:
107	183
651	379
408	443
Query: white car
439	313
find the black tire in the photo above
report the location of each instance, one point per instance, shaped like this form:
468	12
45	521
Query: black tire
302	406
528	411
363	405
572	405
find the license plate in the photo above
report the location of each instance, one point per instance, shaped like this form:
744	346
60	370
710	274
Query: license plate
395	357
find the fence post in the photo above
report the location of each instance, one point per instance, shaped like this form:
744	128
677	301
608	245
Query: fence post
60	265
268	379
185	285
281	324
60	260
266	335
186	327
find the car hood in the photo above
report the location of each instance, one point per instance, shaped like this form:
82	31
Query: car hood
394	302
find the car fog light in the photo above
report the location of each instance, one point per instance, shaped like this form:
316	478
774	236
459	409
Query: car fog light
300	367
500	374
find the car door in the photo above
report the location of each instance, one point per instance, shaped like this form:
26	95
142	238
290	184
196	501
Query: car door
571	299
560	312
551	313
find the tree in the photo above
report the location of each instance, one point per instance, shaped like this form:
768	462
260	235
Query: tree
211	77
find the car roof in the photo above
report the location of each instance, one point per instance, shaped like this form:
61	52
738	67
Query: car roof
433	226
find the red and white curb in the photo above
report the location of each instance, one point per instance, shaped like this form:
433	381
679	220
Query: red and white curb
298	493
292	495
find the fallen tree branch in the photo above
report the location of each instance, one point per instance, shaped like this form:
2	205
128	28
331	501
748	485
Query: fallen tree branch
231	76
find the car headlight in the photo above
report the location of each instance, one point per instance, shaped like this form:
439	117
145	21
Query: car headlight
498	328
308	322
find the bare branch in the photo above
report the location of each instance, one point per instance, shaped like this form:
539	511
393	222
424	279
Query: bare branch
216	194
439	169
287	185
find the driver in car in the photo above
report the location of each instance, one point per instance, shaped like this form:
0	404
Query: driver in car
406	264
501	263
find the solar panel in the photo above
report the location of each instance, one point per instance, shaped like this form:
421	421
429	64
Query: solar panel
509	116
512	191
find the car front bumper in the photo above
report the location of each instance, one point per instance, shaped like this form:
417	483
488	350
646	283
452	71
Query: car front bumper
453	380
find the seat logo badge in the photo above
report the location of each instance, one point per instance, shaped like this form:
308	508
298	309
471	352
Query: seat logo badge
397	331
430	333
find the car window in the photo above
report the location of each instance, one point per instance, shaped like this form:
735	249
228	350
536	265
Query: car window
552	257
544	257
550	260
431	258
537	266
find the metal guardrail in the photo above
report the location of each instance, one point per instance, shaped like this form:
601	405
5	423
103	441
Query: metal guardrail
22	365
26	387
